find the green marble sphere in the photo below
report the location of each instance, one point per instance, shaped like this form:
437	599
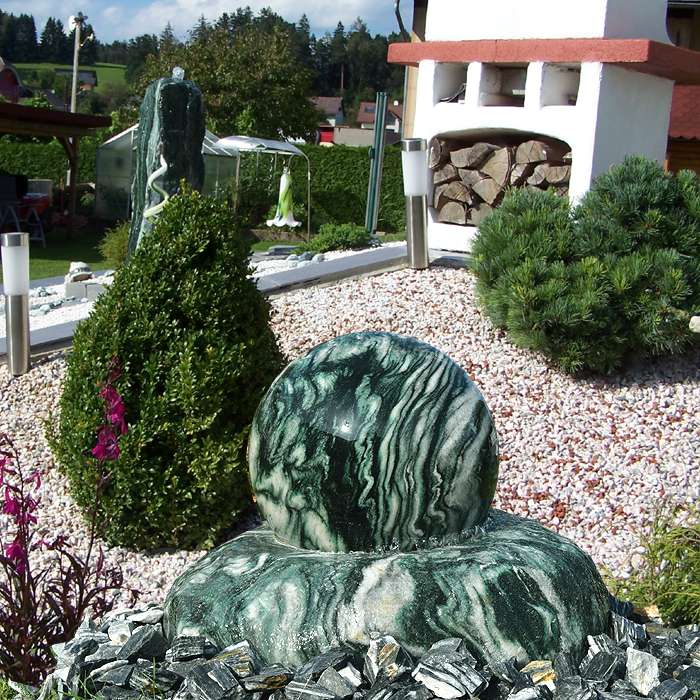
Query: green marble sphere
513	589
370	442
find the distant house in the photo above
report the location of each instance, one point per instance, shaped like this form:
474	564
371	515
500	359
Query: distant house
87	79
10	83
332	115
366	116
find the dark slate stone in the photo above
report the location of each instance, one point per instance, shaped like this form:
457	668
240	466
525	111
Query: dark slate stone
241	658
450	675
622	687
655	630
600	642
564	665
339	685
113	674
670	652
386	659
152	679
536	692
334	658
213	680
690	677
625	632
670	690
270	678
496	690
621	607
307	690
604	666
305	256
186	648
146	642
182	668
407	690
113	692
574	688
103	655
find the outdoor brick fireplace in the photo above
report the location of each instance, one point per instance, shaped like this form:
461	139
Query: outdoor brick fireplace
545	94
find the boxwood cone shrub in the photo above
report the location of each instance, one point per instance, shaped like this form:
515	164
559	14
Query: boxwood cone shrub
114	247
192	334
617	277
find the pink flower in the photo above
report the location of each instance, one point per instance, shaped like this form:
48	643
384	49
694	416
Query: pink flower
115	408
11	506
15	553
106	447
34	478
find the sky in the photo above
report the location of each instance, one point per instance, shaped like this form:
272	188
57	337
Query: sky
114	19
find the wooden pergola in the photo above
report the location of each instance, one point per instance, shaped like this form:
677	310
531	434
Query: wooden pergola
66	127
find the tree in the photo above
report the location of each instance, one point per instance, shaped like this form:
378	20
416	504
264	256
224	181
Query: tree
167	38
252	82
54	45
338	56
138	49
26	47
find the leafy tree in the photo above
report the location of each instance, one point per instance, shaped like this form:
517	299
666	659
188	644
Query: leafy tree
138	49
251	80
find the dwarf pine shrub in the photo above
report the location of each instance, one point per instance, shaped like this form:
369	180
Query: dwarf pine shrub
617	277
196	353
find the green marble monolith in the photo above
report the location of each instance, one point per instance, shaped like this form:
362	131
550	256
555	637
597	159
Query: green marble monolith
168	149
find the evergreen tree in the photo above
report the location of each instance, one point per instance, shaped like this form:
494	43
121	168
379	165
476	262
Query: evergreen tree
338	57
137	50
26	45
201	31
54	46
167	38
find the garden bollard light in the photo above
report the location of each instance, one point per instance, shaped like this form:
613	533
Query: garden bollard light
415	189
15	274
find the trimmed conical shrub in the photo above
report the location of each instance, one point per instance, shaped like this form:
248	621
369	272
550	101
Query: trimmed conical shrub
190	333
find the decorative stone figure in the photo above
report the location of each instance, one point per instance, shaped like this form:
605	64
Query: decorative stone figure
284	214
374	460
168	149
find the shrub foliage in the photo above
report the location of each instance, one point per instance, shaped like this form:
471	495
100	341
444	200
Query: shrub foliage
618	276
338	237
114	247
192	335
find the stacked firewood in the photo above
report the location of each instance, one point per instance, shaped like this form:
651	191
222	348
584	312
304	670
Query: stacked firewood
470	181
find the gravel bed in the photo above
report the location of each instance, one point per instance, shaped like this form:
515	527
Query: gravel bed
78	310
592	459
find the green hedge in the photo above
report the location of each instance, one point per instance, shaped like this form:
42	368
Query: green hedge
47	160
339	177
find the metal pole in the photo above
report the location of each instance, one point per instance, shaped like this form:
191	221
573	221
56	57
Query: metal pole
15	263
414	161
78	22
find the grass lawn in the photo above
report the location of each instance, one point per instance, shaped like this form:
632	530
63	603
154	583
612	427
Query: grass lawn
53	260
106	72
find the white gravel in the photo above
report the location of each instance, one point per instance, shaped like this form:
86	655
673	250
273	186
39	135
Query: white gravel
77	311
592	459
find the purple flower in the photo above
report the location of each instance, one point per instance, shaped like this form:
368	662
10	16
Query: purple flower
106	447
115	408
15	553
11	506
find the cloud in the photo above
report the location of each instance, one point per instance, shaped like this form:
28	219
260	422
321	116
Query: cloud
134	17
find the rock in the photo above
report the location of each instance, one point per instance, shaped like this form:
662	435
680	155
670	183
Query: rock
603	665
373	424
319	257
340	686
152	616
116	673
241	658
691	678
670	690
670	652
111	692
536	692
186	648
626	632
386	660
657	631
351	675
449	676
539	671
79	266
564	666
642	670
182	668
337	659
150	679
281	250
695	324
146	642
120	630
44	309
345	608
574	688
270	678
307	690
104	654
306	256
212	681
292	258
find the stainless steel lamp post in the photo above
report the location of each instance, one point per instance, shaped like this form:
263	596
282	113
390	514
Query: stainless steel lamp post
15	274
415	187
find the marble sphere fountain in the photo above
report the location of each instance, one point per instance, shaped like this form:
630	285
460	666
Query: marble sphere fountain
374	461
